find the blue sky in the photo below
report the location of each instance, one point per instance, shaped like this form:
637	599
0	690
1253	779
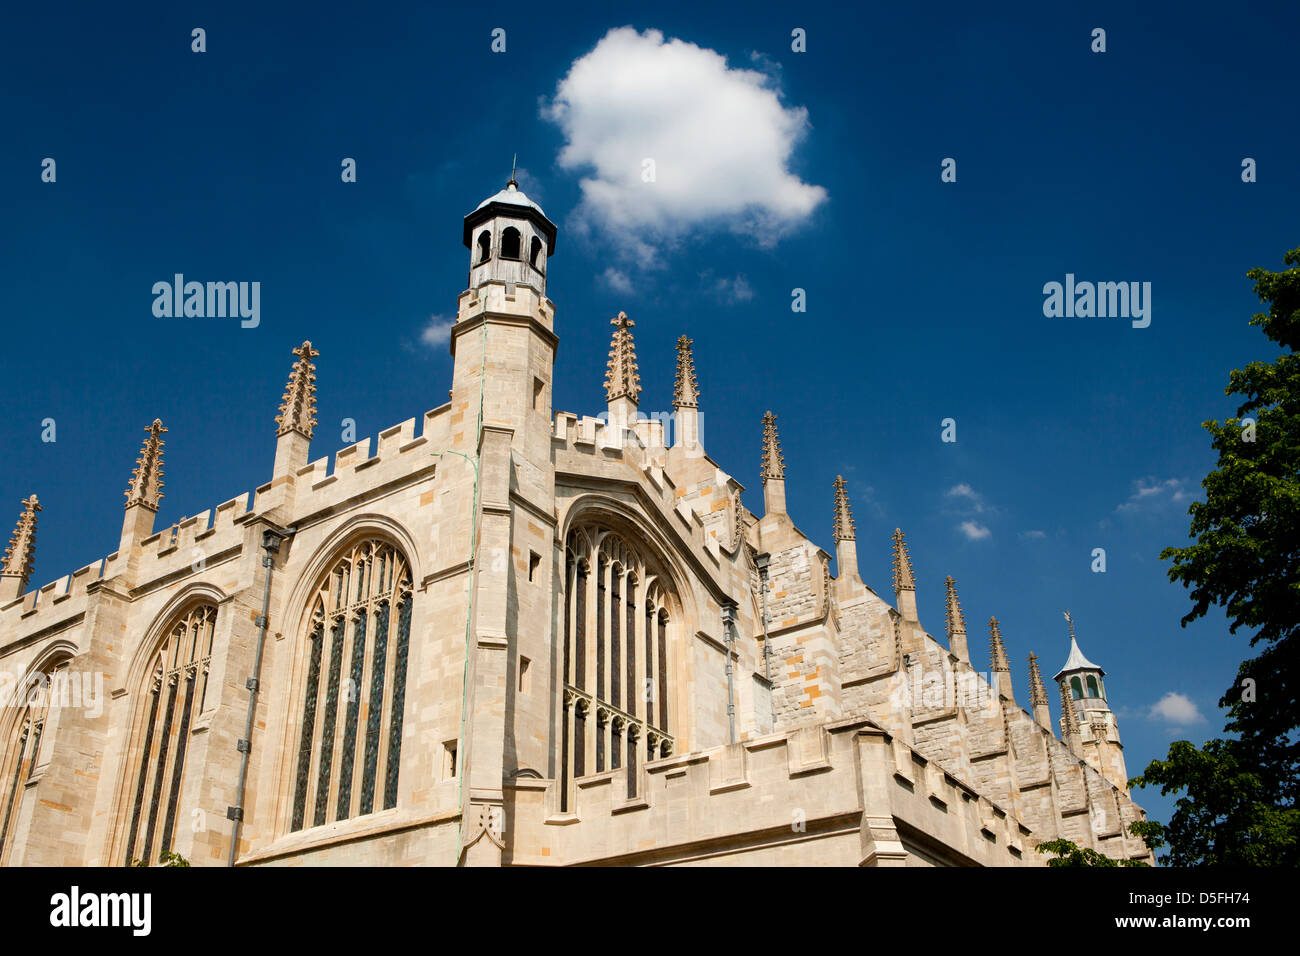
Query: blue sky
924	298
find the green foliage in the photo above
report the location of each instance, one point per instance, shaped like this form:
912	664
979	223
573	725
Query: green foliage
1069	853
165	859
1227	816
1239	805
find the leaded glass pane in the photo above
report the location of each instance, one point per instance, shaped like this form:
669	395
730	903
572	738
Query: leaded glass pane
353	696
182	661
154	695
630	671
327	728
375	714
178	765
362	587
13	788
393	764
163	746
308	726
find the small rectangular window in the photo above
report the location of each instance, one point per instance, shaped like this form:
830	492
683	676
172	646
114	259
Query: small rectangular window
524	676
539	394
534	562
449	760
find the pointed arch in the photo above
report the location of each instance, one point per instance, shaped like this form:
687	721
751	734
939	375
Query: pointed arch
622	647
344	752
26	738
169	679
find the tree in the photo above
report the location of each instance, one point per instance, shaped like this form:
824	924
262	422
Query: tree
165	859
1240	802
1068	853
1229	815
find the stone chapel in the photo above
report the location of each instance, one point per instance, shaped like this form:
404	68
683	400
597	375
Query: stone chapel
506	635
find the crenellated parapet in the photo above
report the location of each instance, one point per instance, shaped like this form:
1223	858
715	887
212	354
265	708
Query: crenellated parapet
854	791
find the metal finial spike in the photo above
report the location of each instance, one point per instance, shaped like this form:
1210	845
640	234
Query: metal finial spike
514	165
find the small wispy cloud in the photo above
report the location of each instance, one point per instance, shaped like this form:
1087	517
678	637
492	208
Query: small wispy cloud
437	331
617	280
965	496
863	497
1033	535
1176	709
974	531
730	291
1149	493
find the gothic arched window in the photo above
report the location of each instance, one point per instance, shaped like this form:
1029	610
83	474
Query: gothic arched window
615	659
484	246
534	252
510	243
1076	687
176	688
1092	687
359	637
23	755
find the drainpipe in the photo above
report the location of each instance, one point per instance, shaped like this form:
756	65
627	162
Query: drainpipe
469	599
729	625
271	545
761	561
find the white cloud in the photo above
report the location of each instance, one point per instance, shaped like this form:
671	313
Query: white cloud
617	280
730	291
962	500
1177	709
863	496
437	332
1033	535
974	530
720	139
1150	493
964	491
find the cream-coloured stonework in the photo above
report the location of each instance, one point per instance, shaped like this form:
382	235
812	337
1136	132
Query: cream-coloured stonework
809	720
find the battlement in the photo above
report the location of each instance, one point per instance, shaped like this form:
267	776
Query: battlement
189	541
848	785
197	539
495	296
398	452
